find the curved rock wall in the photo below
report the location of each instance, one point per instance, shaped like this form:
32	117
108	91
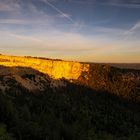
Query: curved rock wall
121	82
54	68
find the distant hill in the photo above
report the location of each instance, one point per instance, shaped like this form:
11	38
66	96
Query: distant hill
126	65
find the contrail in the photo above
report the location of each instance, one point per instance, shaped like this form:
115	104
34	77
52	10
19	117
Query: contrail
59	11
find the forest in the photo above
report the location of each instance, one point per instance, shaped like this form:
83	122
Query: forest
74	112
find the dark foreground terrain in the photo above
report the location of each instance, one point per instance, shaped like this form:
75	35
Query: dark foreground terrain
69	112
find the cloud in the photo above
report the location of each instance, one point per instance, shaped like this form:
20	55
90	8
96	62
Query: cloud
136	26
26	38
70	46
133	30
29	12
5	7
8	5
32	21
45	35
83	2
58	11
18	37
116	3
64	15
115	31
13	21
122	3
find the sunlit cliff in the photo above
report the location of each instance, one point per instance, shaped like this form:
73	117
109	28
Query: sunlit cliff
121	82
54	68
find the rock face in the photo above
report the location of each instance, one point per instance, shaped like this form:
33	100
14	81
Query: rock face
121	82
19	79
54	68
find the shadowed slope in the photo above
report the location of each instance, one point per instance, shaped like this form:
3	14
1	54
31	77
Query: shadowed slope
121	82
14	78
70	112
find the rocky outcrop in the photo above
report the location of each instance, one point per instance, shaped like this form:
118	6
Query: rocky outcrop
121	82
54	68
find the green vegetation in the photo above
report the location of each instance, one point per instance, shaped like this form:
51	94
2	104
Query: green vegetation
71	113
4	135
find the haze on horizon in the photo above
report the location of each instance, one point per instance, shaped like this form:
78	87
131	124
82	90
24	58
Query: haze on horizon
82	30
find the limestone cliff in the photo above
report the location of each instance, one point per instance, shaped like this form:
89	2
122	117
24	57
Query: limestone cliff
122	82
54	68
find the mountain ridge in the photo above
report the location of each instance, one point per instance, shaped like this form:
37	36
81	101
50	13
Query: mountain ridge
121	82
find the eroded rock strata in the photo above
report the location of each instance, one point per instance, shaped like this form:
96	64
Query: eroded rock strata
121	82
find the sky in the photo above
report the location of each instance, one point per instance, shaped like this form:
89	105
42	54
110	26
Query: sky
79	30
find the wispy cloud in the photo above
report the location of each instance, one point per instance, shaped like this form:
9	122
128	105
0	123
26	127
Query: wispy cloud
83	2
122	3
70	46
107	30
134	29
116	3
8	5
26	38
13	21
32	21
64	15
31	13
136	26
42	27
58	11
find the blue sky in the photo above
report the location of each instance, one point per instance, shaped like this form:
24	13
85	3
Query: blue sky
82	30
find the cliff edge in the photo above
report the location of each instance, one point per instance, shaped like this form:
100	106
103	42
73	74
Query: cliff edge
121	82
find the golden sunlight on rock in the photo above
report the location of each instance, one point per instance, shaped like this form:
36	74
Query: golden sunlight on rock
95	76
55	68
